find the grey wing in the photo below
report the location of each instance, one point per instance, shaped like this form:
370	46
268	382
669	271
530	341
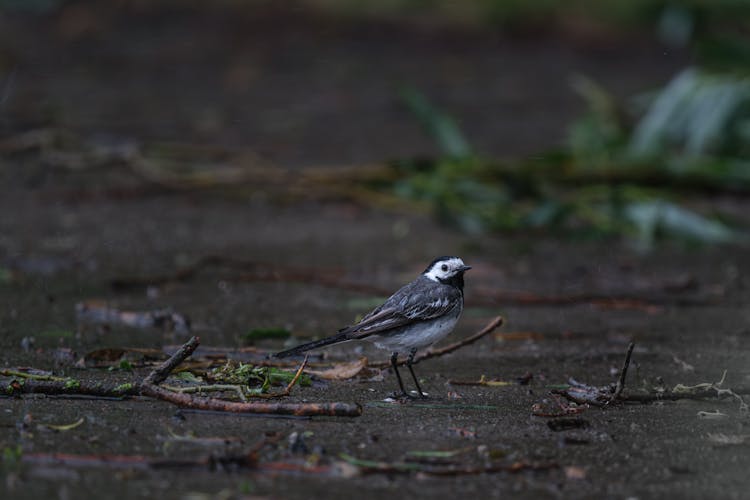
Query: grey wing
410	304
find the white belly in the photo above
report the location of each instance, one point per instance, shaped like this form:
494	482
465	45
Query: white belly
418	335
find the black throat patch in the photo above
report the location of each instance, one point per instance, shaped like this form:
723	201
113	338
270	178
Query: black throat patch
456	280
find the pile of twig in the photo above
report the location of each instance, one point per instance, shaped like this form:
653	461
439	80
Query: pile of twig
150	386
585	394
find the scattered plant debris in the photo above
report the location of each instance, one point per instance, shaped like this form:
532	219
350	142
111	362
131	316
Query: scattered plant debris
584	394
712	415
64	427
29	383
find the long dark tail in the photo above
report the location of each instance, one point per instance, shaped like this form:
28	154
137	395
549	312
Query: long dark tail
333	339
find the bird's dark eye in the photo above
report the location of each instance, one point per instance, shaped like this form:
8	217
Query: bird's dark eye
444	267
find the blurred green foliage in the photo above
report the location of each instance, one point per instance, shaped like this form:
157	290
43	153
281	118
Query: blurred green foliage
696	129
265	333
123	365
621	173
696	115
629	168
12	455
439	125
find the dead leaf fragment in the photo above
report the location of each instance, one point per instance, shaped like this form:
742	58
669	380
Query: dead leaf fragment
340	371
64	427
575	472
712	415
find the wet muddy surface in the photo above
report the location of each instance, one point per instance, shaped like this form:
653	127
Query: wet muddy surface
626	450
65	239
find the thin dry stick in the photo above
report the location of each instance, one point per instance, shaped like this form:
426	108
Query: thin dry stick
213	404
135	461
296	376
200	389
289	386
73	387
161	372
434	353
623	373
376	467
708	393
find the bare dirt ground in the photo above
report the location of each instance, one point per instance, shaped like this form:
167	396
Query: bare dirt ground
318	93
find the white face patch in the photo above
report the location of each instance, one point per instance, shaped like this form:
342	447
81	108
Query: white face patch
444	269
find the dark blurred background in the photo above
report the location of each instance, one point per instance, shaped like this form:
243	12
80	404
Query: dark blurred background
583	118
305	83
259	173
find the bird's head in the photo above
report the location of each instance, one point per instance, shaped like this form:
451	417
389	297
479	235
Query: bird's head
447	270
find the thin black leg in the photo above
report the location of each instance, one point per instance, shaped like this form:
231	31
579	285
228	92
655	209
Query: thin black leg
409	362
394	364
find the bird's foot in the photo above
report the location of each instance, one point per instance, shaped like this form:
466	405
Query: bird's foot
401	396
406	396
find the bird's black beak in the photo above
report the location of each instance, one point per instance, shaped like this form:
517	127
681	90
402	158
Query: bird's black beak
464	268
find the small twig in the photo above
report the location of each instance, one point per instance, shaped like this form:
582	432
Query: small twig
73	387
623	373
704	390
136	461
209	388
709	393
371	466
214	404
289	386
161	372
494	324
7	372
434	353
296	376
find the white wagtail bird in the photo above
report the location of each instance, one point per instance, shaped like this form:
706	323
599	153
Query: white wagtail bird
416	316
